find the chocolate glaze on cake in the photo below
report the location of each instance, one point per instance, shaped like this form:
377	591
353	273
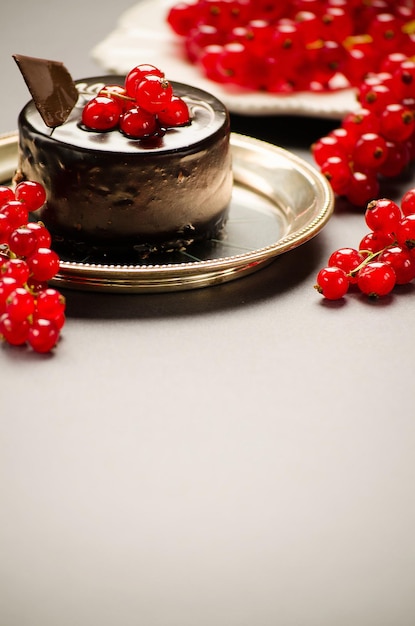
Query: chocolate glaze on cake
109	191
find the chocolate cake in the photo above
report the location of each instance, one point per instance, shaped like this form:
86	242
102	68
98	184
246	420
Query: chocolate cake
109	191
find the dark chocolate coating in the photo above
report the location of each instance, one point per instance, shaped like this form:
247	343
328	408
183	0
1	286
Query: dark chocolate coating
108	190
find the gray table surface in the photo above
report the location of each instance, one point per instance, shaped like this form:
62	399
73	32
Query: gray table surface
229	456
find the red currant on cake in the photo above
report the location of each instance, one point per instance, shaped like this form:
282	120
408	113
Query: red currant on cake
153	93
175	114
144	106
138	123
101	113
136	75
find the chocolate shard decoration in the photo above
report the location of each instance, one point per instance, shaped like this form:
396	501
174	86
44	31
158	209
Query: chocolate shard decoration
51	86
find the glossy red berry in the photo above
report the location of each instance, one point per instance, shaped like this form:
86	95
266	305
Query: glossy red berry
20	304
7	285
376	279
138	124
44	264
136	75
43	236
402	262
405	231
332	283
5	228
43	335
153	94
338	172
50	304
23	241
375	241
370	152
17	269
408	202
101	113
31	193
14	332
347	259
175	114
6	194
397	122
16	213
383	215
364	186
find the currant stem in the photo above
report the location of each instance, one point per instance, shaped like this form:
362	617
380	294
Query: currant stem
370	256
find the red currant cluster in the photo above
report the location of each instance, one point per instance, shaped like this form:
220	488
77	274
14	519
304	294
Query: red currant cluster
143	107
377	140
385	256
30	312
292	45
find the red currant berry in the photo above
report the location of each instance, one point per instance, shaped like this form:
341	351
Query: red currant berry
7	285
376	97
22	241
386	32
17	269
364	186
136	75
43	236
402	262
43	335
332	283
33	194
36	286
347	259
338	172
138	124
101	113
20	304
360	122
153	94
376	279
376	241
5	228
44	264
397	122
327	147
405	232
408	202
176	114
6	194
16	213
404	80
370	151
398	158
50	304
383	215
14	332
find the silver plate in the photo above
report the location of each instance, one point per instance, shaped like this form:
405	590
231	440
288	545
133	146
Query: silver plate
279	202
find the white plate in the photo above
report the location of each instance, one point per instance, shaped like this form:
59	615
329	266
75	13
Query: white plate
279	202
143	36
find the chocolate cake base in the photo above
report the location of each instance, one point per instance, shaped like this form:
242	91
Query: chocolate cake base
106	191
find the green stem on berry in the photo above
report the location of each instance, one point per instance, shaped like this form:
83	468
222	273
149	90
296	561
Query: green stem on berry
112	94
370	256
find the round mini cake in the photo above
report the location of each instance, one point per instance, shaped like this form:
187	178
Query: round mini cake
109	191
